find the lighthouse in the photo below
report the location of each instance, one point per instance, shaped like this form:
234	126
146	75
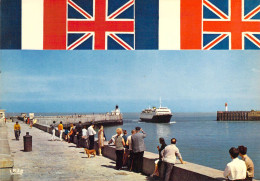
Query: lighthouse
226	108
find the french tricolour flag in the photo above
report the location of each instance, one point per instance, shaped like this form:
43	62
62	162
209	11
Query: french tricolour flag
130	24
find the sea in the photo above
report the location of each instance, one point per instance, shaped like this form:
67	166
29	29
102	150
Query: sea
200	138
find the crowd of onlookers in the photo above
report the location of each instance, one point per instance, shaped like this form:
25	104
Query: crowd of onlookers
130	151
83	136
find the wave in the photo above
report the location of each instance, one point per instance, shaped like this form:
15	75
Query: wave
172	122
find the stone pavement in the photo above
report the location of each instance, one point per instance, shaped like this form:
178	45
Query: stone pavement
55	160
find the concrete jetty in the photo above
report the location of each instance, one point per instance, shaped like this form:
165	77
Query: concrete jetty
55	160
186	172
104	119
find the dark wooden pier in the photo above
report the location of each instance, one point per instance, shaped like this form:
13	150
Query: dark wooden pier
238	115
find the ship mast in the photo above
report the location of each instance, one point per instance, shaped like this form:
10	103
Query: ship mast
160	102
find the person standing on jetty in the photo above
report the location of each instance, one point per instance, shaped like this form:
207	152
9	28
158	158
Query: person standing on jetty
70	135
84	132
120	143
138	147
66	133
31	123
79	134
169	154
91	133
60	129
101	139
131	154
17	130
249	163
125	135
53	130
236	169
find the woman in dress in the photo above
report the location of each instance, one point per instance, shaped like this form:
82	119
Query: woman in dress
101	139
120	143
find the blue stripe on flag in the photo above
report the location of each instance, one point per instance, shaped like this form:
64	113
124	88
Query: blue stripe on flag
10	24
146	24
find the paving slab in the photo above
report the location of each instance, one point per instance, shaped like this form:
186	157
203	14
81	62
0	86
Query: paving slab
55	160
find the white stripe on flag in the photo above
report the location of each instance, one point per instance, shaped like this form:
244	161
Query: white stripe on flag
169	24
32	24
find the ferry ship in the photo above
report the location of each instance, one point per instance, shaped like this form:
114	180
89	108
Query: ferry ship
156	115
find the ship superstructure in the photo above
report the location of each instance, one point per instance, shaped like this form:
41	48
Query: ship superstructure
156	115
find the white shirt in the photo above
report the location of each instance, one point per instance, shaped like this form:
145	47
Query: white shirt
169	153
235	170
91	131
129	142
84	132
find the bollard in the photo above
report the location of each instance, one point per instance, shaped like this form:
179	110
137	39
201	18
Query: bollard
27	140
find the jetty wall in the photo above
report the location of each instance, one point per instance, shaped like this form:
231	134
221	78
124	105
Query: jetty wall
238	115
232	115
184	172
105	119
6	159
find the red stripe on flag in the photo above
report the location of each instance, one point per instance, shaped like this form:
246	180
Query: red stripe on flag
54	27
213	43
191	24
121	42
249	15
79	41
121	9
79	9
222	15
253	39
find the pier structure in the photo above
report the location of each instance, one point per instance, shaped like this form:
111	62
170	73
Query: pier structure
104	119
238	115
52	160
232	115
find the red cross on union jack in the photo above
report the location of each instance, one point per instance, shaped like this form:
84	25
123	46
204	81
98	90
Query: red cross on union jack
228	22
236	24
100	25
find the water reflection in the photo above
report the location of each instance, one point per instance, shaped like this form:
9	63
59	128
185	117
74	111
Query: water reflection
163	130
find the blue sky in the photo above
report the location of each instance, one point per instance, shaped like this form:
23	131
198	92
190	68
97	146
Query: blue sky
95	81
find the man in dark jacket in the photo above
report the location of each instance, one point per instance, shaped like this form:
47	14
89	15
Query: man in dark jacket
79	134
138	147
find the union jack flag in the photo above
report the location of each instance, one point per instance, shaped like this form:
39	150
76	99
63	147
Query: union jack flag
100	24
231	24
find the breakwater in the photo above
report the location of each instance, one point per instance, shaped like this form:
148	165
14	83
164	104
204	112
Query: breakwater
238	115
186	172
98	119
